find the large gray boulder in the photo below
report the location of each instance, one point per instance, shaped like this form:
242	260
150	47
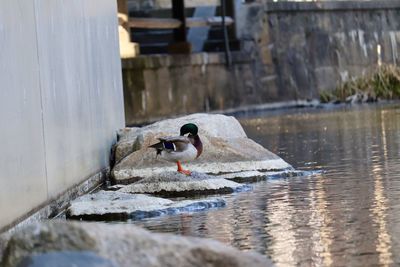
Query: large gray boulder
126	245
112	205
226	149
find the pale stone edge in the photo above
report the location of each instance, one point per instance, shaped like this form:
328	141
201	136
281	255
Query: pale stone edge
183	204
180	186
249	174
211	168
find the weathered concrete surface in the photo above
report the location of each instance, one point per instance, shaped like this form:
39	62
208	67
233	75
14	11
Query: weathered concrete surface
225	149
22	160
174	184
314	46
111	205
61	99
126	245
157	86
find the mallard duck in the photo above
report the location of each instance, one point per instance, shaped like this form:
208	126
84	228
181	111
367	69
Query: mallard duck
180	148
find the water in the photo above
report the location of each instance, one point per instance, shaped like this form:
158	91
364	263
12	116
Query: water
348	215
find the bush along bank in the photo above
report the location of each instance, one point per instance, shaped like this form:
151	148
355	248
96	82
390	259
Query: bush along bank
383	83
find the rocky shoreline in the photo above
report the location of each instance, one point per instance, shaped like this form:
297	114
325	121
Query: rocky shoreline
98	244
228	155
143	186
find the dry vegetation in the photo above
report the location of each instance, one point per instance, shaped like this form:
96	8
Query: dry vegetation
383	83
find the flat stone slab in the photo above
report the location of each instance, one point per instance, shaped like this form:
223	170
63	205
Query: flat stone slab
126	245
226	149
174	184
114	205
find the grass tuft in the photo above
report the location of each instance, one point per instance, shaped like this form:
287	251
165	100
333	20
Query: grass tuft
383	83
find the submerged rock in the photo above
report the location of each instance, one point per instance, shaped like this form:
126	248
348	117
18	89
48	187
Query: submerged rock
174	184
111	205
66	259
226	149
360	97
126	245
256	176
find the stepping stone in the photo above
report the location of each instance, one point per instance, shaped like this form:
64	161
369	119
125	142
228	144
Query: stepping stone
174	184
114	205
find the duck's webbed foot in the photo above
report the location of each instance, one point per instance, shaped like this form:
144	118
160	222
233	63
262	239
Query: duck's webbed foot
187	172
181	170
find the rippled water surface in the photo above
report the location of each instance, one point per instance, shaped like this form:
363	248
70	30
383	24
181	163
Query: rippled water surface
349	215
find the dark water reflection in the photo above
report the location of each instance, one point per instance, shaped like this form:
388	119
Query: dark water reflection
347	216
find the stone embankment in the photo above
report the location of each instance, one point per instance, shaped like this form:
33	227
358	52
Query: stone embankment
229	161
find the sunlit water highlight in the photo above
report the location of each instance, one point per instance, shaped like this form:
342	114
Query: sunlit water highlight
347	215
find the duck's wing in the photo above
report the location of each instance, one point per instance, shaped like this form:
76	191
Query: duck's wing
175	139
175	143
172	144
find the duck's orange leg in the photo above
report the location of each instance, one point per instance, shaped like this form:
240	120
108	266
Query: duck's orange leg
181	170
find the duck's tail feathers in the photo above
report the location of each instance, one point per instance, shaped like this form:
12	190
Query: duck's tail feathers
159	147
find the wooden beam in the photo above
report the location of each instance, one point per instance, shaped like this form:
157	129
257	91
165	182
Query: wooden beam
122	6
123	14
154	23
210	21
157	23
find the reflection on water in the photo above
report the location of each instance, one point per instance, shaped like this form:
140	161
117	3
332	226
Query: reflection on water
347	216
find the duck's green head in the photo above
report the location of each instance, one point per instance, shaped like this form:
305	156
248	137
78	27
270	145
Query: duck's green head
189	128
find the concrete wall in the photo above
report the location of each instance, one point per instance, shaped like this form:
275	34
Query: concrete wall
160	86
60	99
